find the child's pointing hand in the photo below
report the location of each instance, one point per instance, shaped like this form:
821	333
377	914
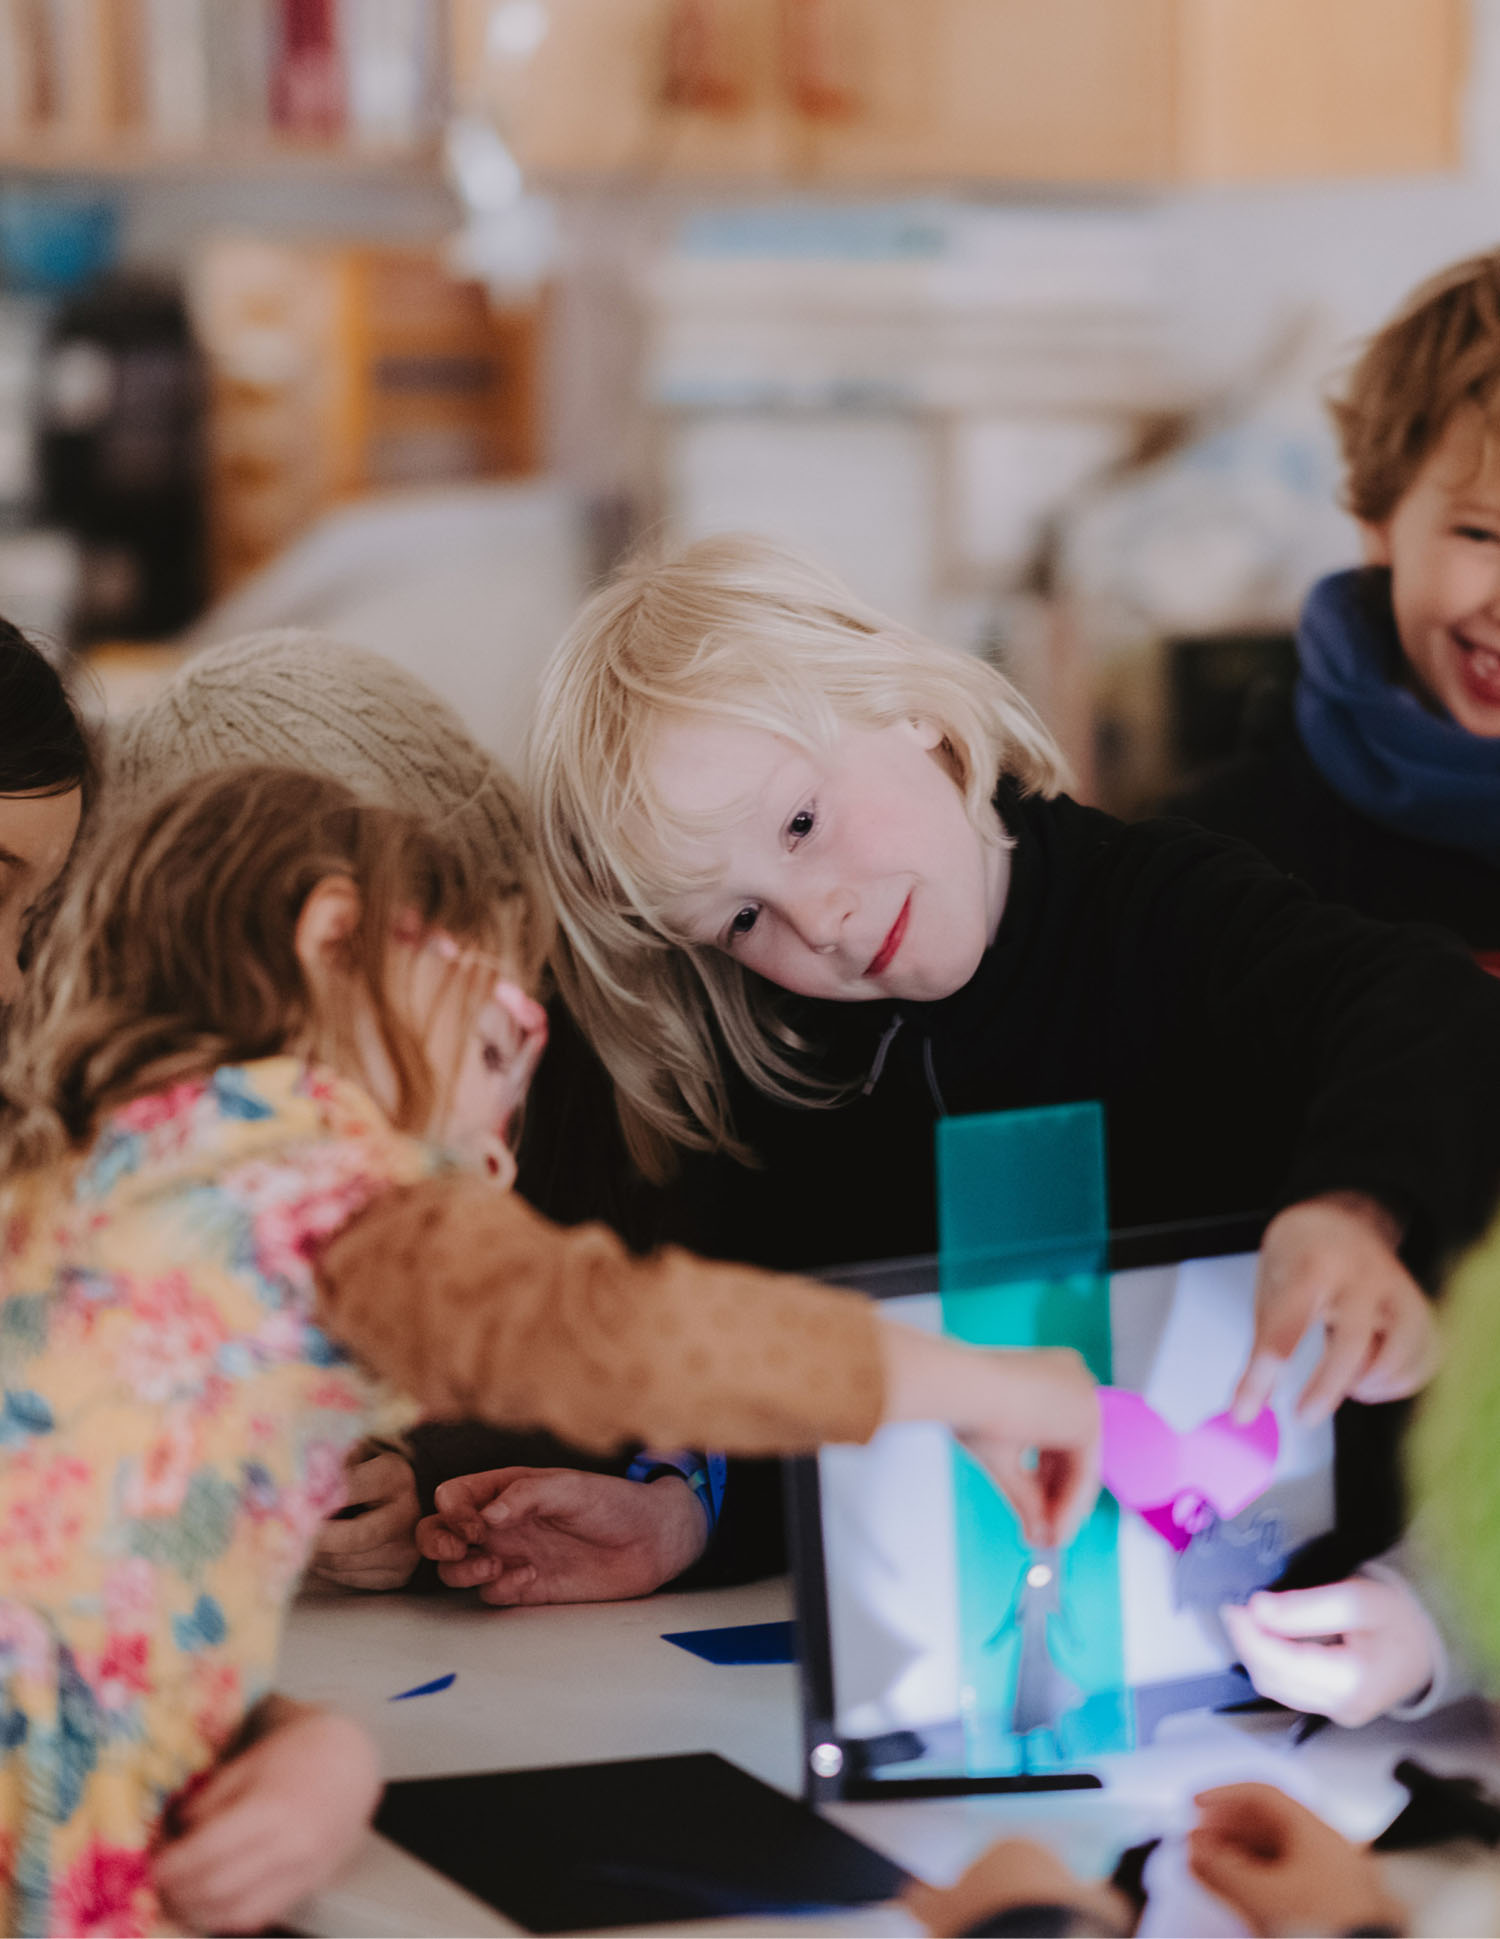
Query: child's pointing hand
1334	1259
1030	1417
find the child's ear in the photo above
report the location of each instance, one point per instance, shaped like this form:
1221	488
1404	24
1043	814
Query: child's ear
929	735
1375	543
329	919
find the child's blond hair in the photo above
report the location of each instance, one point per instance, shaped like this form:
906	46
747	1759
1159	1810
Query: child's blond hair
1438	354
737	630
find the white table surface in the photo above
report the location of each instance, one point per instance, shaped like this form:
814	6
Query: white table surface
594	1682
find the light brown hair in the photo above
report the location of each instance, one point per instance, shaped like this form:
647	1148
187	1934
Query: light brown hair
174	951
738	629
1440	352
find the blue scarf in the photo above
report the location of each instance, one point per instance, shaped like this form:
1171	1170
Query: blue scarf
1373	741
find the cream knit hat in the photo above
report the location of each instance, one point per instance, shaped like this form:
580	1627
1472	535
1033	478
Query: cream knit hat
300	699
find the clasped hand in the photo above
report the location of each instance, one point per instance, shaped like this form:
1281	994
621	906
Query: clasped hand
529	1535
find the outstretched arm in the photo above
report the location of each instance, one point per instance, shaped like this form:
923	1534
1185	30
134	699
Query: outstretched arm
477	1307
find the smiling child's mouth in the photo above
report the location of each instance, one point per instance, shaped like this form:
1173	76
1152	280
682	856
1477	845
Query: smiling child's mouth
882	957
1481	670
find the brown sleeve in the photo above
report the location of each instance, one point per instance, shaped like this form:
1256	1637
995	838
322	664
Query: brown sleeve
477	1306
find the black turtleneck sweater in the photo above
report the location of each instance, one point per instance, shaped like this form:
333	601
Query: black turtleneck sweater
1273	794
1251	1047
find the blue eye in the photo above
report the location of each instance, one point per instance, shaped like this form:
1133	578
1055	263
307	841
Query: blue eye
743	921
801	823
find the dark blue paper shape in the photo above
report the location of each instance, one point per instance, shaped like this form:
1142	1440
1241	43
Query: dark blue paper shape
744	1643
426	1689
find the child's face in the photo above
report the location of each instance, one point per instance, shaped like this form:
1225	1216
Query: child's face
482	1034
847	873
1442	544
36	836
492	1051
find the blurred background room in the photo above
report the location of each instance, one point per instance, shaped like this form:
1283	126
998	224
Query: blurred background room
403	318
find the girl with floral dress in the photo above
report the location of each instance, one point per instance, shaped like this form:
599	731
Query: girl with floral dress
259	1110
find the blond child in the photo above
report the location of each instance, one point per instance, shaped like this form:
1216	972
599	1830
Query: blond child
818	886
270	1042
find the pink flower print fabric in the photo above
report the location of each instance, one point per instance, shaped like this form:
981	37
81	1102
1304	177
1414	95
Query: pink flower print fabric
173	1426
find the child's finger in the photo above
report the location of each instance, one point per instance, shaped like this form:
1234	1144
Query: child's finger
1332	1609
1346	1345
1022	1489
392	1575
1314	1677
549	1492
471	1571
235	1891
1069	1483
439	1541
212	1845
462	1499
380	1526
1255	1816
1291	1289
514	1585
456	1508
1407	1360
1224	1866
553	1492
1257	1384
381	1478
224	1786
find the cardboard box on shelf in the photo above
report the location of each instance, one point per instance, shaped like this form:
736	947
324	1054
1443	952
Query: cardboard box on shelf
336	372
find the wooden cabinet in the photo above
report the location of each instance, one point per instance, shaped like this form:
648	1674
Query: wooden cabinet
926	92
632	87
1276	89
878	94
1003	90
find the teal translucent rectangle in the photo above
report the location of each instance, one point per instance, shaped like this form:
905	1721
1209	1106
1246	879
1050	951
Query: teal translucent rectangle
1023	1224
1021	1194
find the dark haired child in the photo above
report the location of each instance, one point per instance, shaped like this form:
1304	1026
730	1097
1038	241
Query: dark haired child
46	771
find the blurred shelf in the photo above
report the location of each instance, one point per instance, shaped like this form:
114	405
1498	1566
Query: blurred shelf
125	674
130	153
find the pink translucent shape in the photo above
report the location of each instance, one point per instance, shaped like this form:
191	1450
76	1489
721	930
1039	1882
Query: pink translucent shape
1176	1481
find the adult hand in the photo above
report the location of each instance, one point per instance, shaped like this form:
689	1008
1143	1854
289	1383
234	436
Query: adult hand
377	1549
1334	1259
1282	1869
1348	1650
271	1825
528	1535
1015	1872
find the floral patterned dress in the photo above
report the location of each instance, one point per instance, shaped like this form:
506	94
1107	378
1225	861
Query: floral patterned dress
172	1430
